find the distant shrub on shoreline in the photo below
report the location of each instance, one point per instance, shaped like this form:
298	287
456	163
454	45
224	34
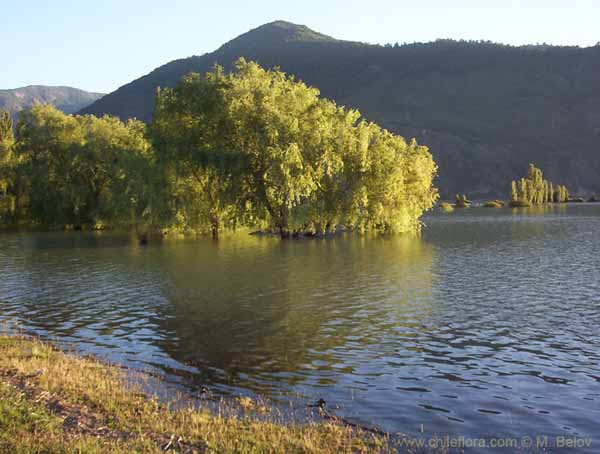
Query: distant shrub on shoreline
462	201
446	207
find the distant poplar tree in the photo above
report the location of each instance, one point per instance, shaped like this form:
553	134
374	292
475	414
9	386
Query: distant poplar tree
523	192
535	190
561	195
514	195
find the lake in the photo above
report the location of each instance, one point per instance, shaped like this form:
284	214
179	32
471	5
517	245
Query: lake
486	325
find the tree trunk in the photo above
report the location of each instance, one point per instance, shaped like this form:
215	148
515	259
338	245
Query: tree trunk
283	234
283	230
215	227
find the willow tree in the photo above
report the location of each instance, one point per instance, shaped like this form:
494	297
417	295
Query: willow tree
561	194
125	186
47	138
387	180
264	148
288	136
514	194
192	132
78	169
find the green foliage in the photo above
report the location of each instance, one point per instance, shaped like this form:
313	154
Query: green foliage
192	136
514	194
6	128
250	148
462	201
534	190
258	148
446	207
83	170
561	195
7	166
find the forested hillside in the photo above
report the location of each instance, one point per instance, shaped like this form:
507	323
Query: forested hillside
485	110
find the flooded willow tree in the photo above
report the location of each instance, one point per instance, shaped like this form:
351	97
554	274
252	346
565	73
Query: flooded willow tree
257	148
253	148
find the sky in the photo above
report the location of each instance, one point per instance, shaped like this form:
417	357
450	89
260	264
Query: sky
102	45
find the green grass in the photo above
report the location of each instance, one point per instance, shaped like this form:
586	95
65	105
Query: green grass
53	402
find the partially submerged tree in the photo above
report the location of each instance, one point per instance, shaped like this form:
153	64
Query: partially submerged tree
83	170
258	147
253	148
535	190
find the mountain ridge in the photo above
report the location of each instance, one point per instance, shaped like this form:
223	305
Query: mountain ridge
68	99
278	31
485	110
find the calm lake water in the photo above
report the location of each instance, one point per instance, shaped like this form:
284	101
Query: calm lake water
486	325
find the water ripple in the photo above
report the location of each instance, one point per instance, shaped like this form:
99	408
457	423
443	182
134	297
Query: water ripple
488	323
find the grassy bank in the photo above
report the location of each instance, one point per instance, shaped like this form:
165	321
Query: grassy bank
51	401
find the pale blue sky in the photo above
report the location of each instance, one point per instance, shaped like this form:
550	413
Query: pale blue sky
101	45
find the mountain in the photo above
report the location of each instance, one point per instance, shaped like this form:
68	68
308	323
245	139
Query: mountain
67	99
485	110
